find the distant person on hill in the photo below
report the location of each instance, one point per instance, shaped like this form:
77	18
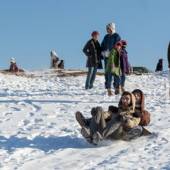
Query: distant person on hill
159	66
55	62
124	65
169	55
13	66
92	50
109	40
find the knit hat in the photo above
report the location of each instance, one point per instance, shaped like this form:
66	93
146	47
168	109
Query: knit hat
53	53
94	33
111	26
124	42
12	60
119	43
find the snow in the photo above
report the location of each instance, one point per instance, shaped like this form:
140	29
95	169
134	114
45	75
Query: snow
38	129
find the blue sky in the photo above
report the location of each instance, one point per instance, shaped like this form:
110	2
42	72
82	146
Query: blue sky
30	29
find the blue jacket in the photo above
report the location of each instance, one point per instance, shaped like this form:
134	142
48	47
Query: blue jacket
109	41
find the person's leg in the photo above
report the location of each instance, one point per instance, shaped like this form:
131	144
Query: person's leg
87	85
110	128
109	82
93	76
97	122
106	74
82	120
117	84
122	82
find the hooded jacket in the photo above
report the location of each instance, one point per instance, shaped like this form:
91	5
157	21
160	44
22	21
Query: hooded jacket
113	64
128	118
140	109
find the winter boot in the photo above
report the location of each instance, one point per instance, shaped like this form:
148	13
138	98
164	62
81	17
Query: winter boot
122	89
145	132
80	119
109	92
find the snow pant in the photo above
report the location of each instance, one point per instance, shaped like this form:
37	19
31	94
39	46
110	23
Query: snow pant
98	121
107	76
122	80
91	75
117	81
100	124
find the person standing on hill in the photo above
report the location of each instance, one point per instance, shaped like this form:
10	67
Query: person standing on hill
92	50
113	69
169	55
109	41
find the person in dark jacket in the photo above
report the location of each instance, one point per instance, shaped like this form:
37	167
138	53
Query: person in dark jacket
159	66
13	66
169	55
109	41
124	65
92	50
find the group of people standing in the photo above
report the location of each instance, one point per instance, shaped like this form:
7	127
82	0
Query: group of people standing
113	51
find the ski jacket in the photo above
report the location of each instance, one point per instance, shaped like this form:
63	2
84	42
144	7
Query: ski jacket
92	50
109	41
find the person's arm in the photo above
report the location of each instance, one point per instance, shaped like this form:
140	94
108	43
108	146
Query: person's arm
169	55
86	49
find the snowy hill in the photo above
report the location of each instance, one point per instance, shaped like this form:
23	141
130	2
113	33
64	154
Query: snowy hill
38	129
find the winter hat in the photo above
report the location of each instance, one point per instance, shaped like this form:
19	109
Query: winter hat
94	33
53	53
119	43
12	60
111	26
124	42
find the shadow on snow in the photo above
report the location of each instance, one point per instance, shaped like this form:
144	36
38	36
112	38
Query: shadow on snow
46	144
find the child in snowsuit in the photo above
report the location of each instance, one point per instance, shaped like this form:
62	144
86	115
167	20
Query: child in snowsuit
113	68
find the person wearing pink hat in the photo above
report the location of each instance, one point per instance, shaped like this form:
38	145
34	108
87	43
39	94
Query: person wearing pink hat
92	50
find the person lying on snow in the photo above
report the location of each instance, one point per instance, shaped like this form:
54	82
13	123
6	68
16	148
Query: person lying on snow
116	123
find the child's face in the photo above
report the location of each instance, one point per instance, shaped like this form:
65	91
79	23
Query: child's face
138	97
126	99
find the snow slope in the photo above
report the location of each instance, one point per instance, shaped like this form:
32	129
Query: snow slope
38	129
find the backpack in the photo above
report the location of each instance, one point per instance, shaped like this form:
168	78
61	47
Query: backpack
145	118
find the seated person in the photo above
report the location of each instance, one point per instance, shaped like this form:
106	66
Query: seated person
121	123
13	66
55	62
140	109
